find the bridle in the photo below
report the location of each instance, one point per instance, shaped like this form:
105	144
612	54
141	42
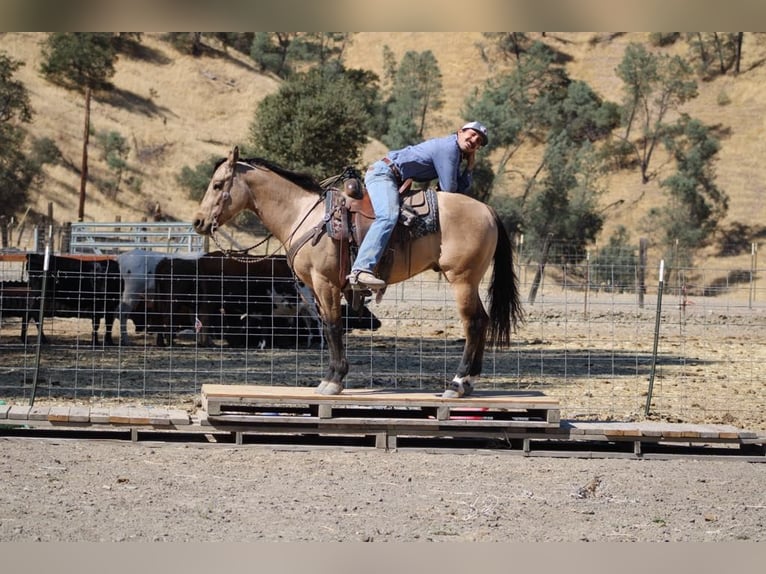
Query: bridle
233	253
290	252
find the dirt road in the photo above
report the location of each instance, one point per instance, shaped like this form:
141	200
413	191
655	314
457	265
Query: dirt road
76	490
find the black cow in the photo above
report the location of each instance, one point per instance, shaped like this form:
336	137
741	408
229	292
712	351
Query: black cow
245	300
75	287
15	301
137	269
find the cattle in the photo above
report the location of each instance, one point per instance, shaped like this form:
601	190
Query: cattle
245	300
74	287
137	274
15	301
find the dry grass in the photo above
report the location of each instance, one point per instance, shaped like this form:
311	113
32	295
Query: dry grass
176	110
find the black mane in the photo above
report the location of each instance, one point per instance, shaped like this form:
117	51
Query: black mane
304	180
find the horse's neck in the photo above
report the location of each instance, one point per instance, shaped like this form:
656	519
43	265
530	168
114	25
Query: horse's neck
287	210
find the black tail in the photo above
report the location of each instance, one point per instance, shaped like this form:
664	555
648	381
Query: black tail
505	311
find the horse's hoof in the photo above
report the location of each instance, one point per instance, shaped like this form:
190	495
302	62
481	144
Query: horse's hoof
458	388
321	387
331	389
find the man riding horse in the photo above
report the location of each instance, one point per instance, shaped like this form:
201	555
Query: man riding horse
438	158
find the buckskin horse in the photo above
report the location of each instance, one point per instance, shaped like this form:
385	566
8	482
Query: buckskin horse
470	237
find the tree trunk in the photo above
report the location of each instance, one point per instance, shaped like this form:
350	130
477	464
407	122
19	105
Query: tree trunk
739	52
84	171
539	273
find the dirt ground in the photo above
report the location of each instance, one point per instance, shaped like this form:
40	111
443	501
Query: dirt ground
76	490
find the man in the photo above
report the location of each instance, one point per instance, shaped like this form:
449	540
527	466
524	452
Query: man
437	158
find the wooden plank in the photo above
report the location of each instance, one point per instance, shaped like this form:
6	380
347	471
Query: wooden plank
99	415
38	413
58	414
80	414
19	412
139	416
179	417
507	399
119	415
159	417
4	411
506	408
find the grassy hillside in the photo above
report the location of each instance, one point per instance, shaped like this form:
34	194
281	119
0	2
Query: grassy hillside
176	110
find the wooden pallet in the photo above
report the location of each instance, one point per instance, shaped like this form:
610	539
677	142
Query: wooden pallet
303	404
41	416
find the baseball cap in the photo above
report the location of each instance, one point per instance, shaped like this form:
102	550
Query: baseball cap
480	128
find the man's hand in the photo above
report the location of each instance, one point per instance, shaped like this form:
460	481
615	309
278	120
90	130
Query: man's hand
471	160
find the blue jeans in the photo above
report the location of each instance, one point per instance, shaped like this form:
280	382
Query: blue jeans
383	187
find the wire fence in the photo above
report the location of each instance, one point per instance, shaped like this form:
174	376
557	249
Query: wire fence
594	345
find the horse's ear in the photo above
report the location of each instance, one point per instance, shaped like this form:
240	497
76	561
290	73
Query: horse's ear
234	156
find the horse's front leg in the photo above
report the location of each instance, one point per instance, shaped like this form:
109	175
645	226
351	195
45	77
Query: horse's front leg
337	368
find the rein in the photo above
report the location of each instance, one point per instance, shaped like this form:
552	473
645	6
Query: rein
314	232
233	253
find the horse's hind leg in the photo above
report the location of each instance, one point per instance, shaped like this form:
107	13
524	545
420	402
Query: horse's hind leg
475	322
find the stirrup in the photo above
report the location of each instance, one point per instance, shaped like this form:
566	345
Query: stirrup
360	284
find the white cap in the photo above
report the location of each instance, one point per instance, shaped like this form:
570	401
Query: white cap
479	128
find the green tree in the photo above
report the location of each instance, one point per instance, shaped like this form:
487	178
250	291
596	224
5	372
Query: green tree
536	104
317	122
79	61
508	45
533	103
83	62
283	53
563	212
17	171
695	204
614	265
416	92
196	179
114	151
186	42
654	85
714	53
515	105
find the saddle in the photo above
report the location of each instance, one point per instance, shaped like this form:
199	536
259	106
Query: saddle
349	214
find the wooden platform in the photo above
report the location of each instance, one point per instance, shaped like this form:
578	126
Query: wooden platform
523	423
84	416
498	408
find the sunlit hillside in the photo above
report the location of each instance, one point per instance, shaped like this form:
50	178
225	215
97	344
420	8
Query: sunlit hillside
176	110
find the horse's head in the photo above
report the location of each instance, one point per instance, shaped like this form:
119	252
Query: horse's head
225	197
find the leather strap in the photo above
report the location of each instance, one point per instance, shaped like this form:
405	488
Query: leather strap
392	166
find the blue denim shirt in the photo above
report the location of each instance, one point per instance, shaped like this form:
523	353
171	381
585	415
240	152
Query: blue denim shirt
437	158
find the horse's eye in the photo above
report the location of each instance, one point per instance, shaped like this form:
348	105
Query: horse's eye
218	185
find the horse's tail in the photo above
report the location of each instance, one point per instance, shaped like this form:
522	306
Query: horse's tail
505	311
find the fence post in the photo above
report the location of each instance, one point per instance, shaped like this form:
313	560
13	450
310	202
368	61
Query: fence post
641	271
753	257
656	337
4	230
66	237
41	316
587	281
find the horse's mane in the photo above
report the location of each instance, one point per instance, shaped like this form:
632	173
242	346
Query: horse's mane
304	180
